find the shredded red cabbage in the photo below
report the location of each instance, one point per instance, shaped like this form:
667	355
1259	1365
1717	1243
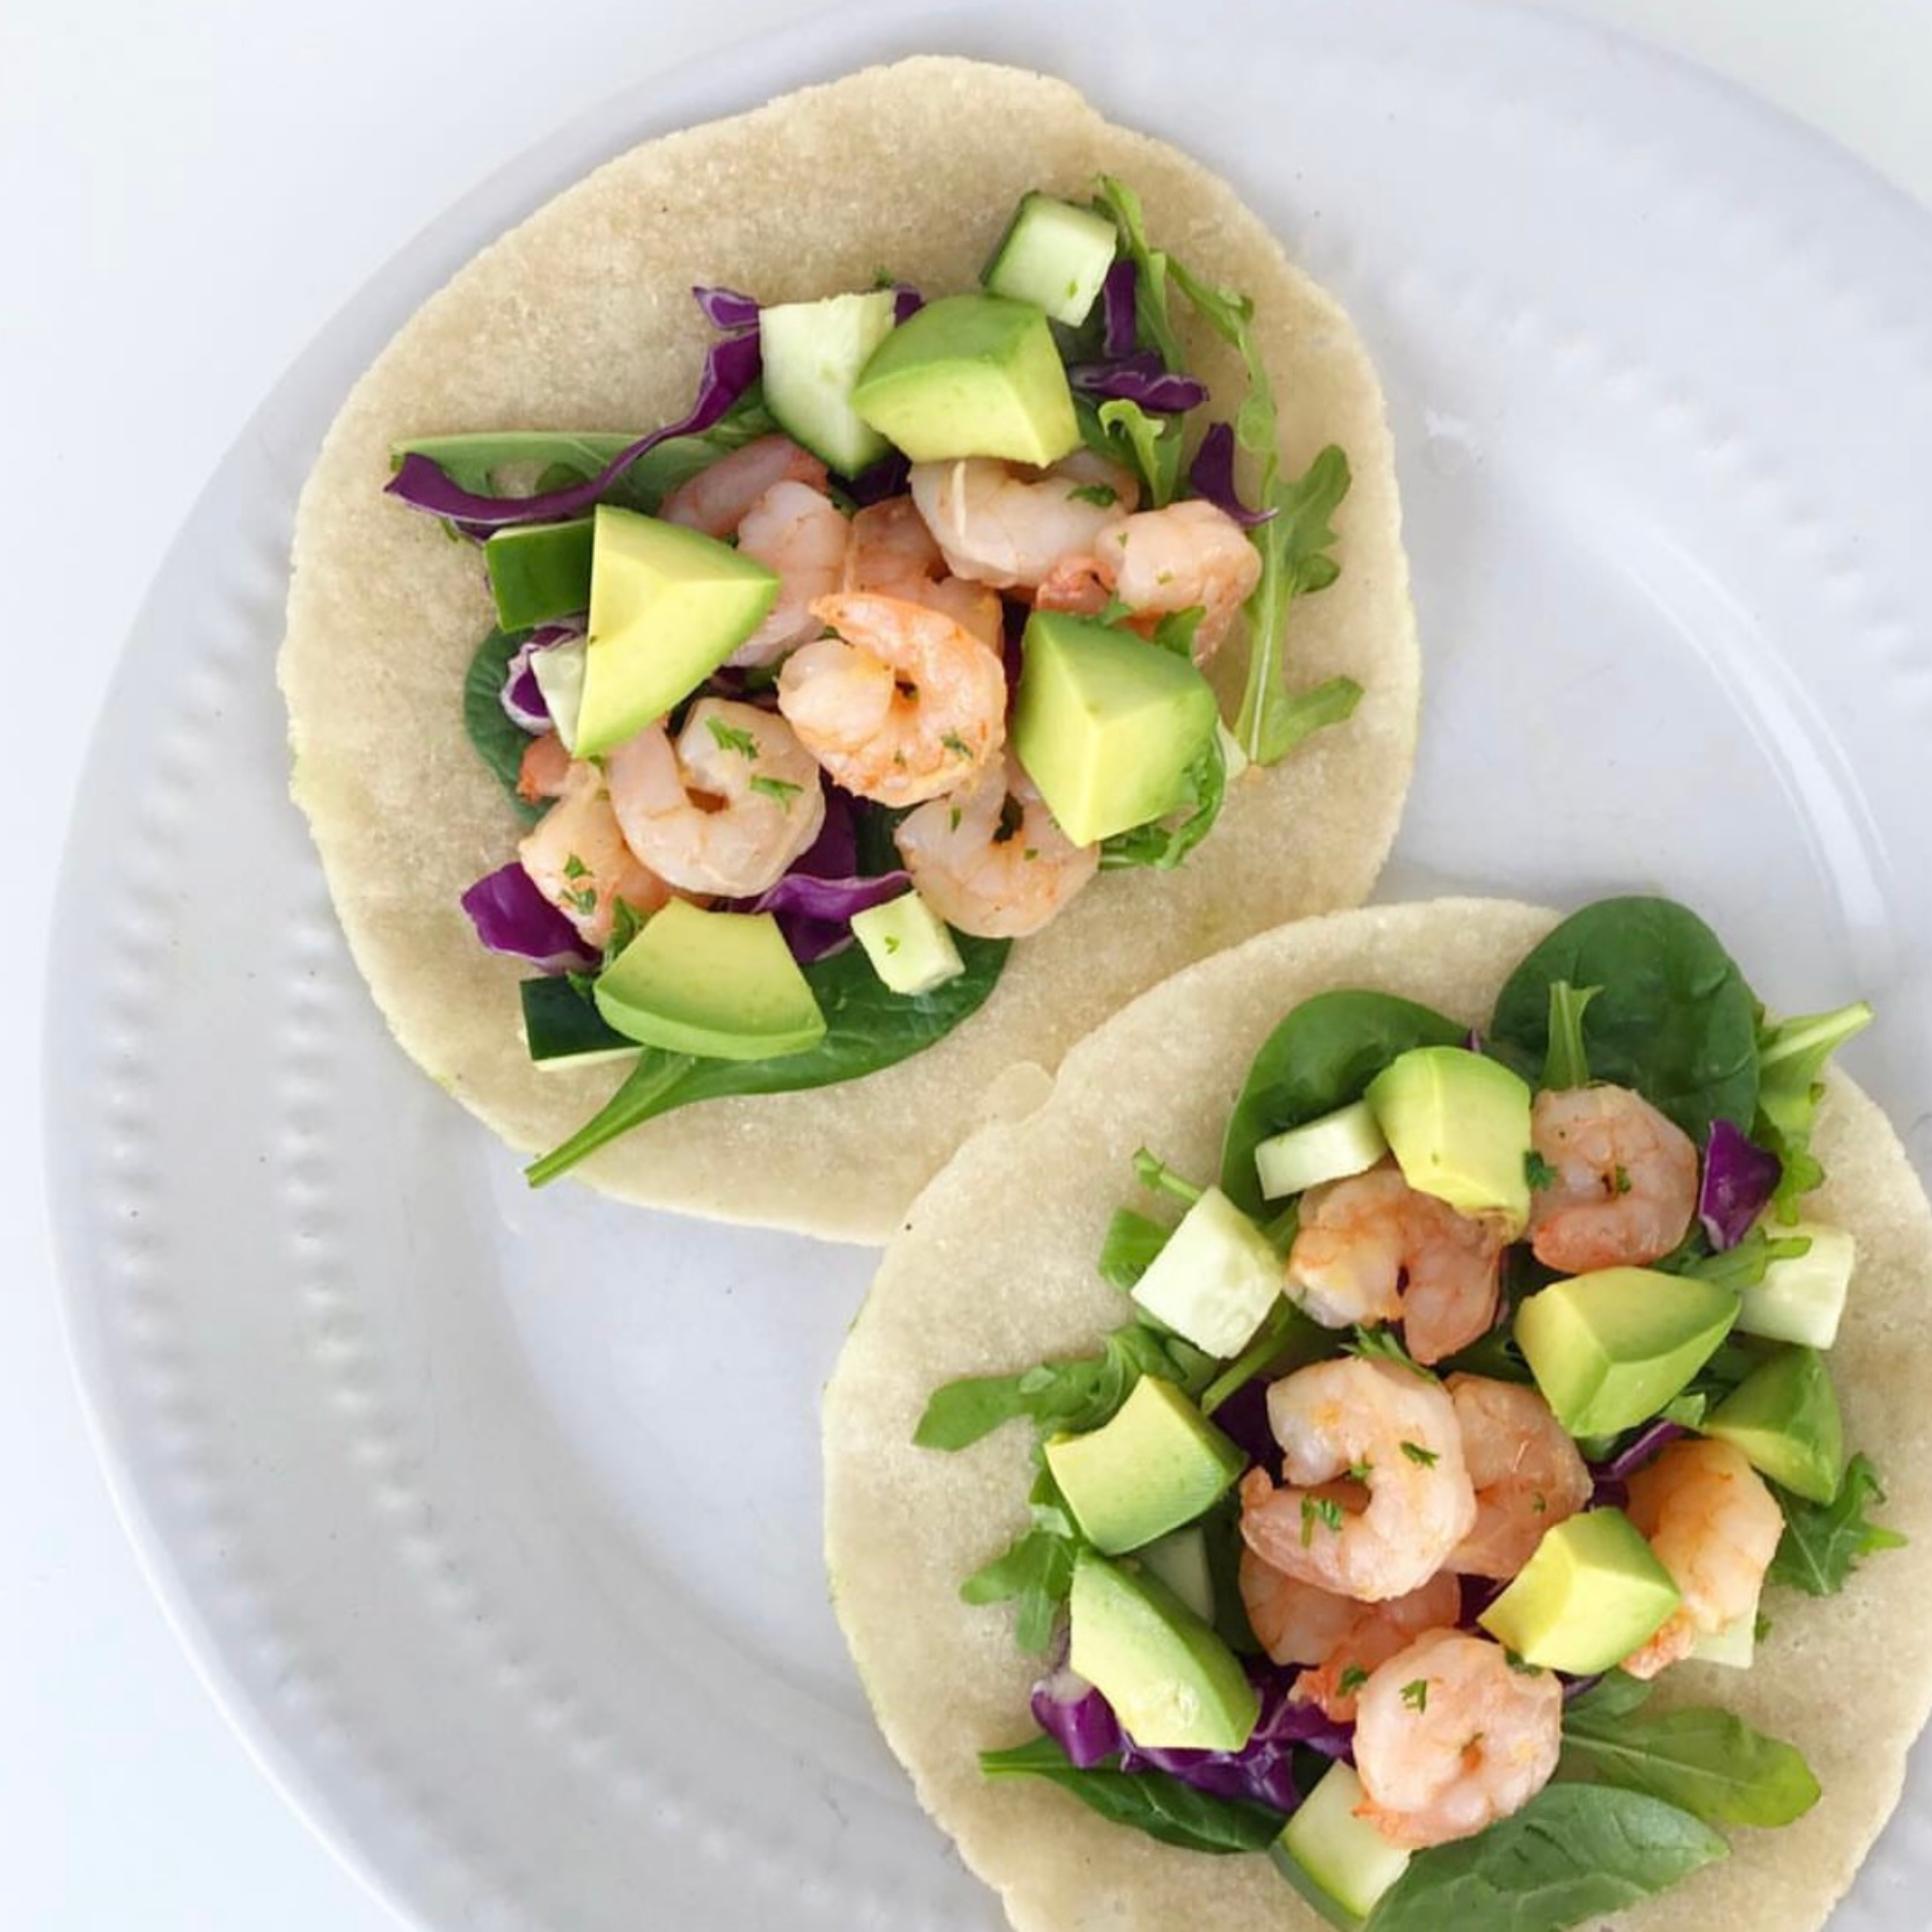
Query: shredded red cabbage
1118	323
886	478
1643	1447
1740	1177
907	302
1243	1418
726	309
1140	378
730	368
1076	1718
522	697
815	914
513	917
1212	475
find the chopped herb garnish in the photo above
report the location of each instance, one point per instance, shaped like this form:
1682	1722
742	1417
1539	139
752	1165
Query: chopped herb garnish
956	745
1102	496
1319	1509
1538	1172
1350	1679
1362	1471
1416	1453
1621	1179
732	738
574	868
1154	1173
1415	1695
583	900
892	941
781	789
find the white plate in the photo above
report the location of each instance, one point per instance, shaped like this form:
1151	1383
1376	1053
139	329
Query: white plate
494	1517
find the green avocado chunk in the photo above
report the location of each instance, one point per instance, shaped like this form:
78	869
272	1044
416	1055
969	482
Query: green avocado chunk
1107	724
1591	1594
1458	1125
1337	1861
1610	1349
667	607
1156	1466
721	984
1172	1682
969	375
1785	1419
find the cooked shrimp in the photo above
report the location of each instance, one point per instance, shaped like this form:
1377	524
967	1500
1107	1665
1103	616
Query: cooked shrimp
545	770
1393	1431
991	859
1528	1474
904	703
891	551
1450	1736
728	807
1626	1184
720	496
1340	1640
1714	1525
1189	553
578	860
802	534
1005	525
1373	1249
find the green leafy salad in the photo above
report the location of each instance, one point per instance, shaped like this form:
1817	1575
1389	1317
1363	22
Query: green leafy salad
897	639
1488	1387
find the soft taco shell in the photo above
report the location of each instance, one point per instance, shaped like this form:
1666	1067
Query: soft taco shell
581	318
995	1271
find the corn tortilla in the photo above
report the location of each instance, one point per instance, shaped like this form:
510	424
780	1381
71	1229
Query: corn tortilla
581	318
995	1271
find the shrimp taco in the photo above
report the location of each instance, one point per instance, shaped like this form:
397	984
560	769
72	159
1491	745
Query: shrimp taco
836	749
1426	1427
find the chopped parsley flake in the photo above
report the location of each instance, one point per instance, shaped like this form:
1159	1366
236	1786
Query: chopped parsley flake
574	868
583	900
1362	1471
1319	1509
1102	496
1621	1178
1416	1694
1350	1679
1538	1172
956	745
1416	1453
892	943
730	738
782	789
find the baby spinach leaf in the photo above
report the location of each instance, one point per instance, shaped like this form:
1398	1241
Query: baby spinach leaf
1132	1241
1321	1057
867	1027
1575	1851
1674	1020
1148	1801
1707	1762
1823	1542
1568	1065
497	742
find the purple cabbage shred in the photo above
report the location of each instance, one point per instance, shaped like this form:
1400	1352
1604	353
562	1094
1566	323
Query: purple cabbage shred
1076	1718
1243	1418
1643	1447
513	917
907	302
726	311
1119	324
522	697
815	900
1740	1177
1140	378
1212	475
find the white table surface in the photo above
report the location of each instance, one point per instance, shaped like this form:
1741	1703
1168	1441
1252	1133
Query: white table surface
190	191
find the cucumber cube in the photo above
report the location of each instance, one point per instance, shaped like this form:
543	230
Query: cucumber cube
1340	1863
1215	1280
812	354
1803	1299
1054	255
1348	1141
911	948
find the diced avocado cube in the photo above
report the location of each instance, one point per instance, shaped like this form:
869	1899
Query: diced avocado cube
1592	1593
667	607
539	572
1610	1349
812	353
560	676
722	984
1337	1861
1785	1419
1801	1299
1172	1683
1458	1125
1055	255
1339	1144
1157	1463
1107	724
971	376
1179	1559
1215	1280
911	948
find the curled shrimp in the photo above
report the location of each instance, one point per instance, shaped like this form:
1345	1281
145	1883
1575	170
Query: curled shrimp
1189	554
1389	1429
1528	1474
904	703
1626	1184
1373	1249
991	859
1450	1736
577	855
892	552
720	496
1000	523
1340	1640
802	534
1714	1525
545	770
726	809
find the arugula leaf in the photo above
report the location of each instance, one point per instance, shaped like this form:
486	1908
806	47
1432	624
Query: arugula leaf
497	742
1675	1019
1294	545
1151	318
1151	445
1036	1569
867	1027
1286	1329
1744	1265
1321	1057
1167	841
1791	1057
1823	1542
1707	1762
1148	1801
1157	1178
1132	1241
1300	714
1575	1851
1568	1064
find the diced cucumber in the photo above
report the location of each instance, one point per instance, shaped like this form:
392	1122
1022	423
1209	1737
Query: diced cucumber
1345	1142
563	1029
1053	255
1734	1645
1179	1559
540	572
560	676
812	354
1801	1299
1340	1863
1215	1280
911	948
